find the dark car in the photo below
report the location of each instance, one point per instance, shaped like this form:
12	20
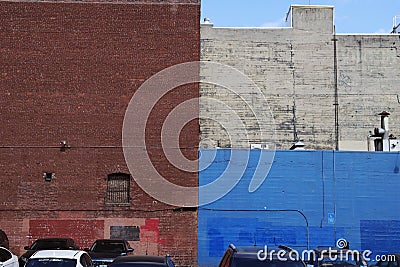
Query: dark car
46	244
143	261
4	240
336	257
256	256
104	251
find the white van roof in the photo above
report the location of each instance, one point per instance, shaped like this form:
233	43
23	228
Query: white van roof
57	254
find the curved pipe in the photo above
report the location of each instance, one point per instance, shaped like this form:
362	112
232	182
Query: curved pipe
283	210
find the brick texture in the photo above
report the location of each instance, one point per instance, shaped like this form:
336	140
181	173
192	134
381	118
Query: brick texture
68	71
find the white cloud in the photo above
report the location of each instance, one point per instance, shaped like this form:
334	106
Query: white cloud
381	30
279	23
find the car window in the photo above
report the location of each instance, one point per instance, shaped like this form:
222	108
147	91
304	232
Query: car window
3	235
71	244
3	239
48	244
170	262
51	263
337	262
4	255
82	260
108	247
88	260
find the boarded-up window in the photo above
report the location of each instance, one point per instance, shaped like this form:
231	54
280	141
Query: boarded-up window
118	187
130	233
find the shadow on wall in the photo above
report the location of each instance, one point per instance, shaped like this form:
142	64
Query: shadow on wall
308	199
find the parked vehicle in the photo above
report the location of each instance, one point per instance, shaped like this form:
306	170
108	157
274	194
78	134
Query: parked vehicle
251	257
7	259
4	240
46	244
143	261
336	257
59	258
104	251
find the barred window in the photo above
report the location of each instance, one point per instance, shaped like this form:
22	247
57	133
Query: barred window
118	187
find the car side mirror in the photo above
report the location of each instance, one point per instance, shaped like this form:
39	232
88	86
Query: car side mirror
27	248
86	249
130	249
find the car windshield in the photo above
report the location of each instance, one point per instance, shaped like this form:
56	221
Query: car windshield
254	262
4	255
108	247
51	263
48	244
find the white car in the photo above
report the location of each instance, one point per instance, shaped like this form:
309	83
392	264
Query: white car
60	258
7	259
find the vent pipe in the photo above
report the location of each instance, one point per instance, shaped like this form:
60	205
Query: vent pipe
382	142
385	122
383	139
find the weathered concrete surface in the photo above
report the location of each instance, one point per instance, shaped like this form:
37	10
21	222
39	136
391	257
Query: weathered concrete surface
294	67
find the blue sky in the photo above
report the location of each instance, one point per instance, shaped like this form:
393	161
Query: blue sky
351	16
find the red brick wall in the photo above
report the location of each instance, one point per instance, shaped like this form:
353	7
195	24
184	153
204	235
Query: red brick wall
79	230
68	71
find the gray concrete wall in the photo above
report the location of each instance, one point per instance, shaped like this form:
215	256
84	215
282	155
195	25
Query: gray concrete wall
294	66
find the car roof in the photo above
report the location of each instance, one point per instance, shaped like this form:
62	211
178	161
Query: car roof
57	254
6	249
247	249
110	240
140	258
252	251
255	249
54	239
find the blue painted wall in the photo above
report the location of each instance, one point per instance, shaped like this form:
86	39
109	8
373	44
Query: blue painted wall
309	199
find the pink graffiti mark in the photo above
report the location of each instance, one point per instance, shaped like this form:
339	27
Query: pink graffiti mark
150	232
